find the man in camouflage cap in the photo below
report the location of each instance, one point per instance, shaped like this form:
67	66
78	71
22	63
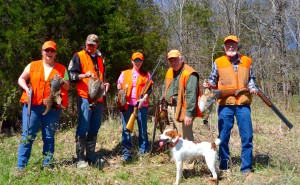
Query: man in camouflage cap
85	64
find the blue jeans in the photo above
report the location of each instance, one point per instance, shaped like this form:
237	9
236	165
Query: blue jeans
89	121
226	121
142	126
49	123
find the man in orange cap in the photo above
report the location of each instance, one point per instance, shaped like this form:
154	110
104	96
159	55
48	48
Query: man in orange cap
135	80
85	64
234	71
181	91
38	73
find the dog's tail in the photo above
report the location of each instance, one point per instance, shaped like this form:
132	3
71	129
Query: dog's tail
217	141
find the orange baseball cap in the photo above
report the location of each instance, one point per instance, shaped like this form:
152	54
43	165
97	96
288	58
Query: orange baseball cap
49	44
137	55
173	54
231	37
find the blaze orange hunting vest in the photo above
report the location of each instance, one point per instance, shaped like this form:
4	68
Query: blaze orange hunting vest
181	102
229	80
87	65
40	87
140	84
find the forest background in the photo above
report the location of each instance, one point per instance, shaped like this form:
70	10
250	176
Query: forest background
268	30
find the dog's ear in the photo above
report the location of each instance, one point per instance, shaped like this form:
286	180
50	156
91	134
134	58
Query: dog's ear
173	134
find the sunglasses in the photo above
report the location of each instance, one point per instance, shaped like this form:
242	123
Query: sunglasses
137	60
48	50
91	45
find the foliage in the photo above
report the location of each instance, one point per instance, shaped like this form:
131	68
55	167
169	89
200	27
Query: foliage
123	27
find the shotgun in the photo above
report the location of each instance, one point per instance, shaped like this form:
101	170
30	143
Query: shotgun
29	110
130	123
224	93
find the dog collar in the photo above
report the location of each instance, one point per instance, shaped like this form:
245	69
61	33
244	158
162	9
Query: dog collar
173	145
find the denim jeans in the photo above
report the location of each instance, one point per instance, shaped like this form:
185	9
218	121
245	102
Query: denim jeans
142	126
226	121
49	123
89	121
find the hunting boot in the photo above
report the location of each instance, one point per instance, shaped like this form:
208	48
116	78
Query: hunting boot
90	152
80	142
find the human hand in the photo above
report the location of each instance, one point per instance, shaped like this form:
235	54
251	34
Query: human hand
253	91
141	102
88	74
187	121
206	84
106	85
119	86
27	90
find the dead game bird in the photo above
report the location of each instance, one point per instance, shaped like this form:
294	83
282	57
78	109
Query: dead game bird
121	98
54	99
95	90
206	103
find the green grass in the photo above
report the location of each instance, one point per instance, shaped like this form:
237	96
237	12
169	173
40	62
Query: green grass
276	157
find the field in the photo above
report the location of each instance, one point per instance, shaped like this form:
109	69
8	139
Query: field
276	155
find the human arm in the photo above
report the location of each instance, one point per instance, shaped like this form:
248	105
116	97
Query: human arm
191	98
24	77
251	84
75	70
66	81
213	77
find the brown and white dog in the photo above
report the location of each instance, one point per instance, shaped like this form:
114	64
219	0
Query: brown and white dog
184	150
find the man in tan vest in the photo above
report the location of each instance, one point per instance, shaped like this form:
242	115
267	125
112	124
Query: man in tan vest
234	71
180	90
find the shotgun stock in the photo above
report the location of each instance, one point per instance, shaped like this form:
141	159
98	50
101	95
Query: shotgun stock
274	108
130	123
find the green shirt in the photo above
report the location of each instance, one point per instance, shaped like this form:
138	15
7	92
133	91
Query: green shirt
191	91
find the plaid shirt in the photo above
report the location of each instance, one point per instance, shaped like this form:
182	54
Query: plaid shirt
214	75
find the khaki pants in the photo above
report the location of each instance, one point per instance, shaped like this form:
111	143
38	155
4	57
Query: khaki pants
185	131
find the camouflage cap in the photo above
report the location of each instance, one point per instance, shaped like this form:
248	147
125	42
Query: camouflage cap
92	39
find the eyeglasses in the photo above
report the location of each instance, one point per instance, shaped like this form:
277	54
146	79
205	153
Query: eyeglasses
137	60
48	50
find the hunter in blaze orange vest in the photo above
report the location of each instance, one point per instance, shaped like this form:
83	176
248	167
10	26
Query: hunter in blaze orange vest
40	86
181	102
87	65
229	80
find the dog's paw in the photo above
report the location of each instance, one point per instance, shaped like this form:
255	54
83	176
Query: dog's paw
213	181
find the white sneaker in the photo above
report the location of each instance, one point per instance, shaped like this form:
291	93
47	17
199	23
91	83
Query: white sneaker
82	164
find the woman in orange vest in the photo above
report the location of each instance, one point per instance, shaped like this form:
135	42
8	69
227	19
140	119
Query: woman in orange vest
135	80
234	71
37	74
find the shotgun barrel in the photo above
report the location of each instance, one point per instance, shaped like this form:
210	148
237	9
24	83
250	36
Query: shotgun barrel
274	108
29	110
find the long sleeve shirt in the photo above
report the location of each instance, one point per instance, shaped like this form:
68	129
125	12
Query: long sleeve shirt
214	75
75	66
191	91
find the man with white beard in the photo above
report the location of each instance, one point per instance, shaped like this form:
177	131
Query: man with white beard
234	71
